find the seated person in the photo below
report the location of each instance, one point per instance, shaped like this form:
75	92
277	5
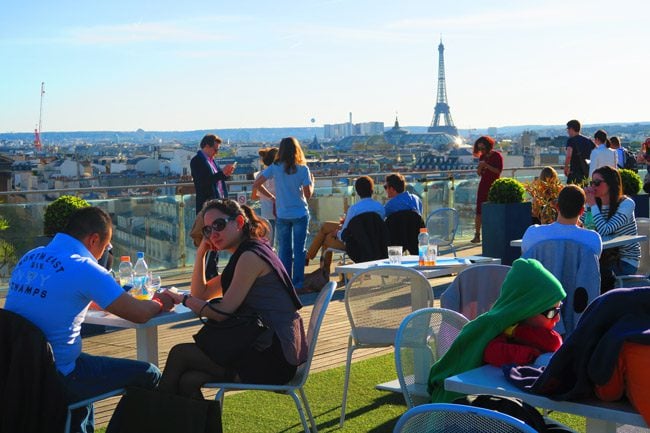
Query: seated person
606	355
570	205
527	291
329	235
523	342
253	279
399	198
613	216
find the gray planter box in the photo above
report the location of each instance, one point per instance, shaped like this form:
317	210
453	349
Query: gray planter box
641	205
502	223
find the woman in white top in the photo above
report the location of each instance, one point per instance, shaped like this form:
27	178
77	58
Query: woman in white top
614	216
602	155
267	206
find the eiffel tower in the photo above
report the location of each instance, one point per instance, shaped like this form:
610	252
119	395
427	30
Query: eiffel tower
442	108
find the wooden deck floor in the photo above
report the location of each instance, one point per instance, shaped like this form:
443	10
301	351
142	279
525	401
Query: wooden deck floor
330	352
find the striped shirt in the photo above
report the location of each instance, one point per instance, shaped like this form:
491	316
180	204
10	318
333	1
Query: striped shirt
621	223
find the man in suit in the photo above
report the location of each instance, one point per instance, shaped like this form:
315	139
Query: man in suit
210	183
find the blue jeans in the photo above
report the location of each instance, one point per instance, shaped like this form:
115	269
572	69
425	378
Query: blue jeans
292	234
96	375
624	268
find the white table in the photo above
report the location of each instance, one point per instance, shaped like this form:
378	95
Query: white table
600	416
146	334
444	265
608	243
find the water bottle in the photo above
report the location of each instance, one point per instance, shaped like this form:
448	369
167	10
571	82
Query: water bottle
423	247
589	219
140	276
125	272
432	252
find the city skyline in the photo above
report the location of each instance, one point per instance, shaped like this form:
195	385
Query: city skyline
216	65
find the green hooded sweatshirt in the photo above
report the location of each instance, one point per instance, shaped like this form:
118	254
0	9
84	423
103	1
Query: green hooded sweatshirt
528	289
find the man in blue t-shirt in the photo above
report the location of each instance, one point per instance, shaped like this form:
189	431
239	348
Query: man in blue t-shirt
578	151
399	198
53	286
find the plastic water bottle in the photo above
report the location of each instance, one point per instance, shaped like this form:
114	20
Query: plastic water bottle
423	247
125	272
589	220
140	276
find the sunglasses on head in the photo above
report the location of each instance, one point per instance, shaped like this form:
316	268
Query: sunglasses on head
217	225
551	312
596	182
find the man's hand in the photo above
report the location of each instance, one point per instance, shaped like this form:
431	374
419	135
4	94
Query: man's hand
228	169
167	300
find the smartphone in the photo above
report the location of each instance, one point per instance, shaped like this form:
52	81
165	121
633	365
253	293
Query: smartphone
234	164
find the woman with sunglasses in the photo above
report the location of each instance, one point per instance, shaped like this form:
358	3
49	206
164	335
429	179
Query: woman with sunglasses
294	185
254	280
613	216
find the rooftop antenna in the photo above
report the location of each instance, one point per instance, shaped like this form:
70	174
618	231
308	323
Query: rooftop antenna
37	132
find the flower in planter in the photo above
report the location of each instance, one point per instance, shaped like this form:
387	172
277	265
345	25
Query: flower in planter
631	181
506	190
543	194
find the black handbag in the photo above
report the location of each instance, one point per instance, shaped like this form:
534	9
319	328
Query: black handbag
142	410
226	341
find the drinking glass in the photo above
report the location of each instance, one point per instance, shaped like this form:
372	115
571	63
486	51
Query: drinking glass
154	282
395	254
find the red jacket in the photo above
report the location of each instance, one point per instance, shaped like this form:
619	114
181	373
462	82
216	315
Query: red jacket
525	345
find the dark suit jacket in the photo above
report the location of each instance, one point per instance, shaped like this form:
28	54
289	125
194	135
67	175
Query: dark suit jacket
205	181
366	237
32	395
404	227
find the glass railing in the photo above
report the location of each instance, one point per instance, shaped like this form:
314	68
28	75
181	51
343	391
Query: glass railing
157	219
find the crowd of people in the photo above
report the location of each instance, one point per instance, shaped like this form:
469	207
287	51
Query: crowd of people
52	286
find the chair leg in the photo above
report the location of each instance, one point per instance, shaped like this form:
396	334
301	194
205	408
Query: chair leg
453	249
68	421
308	409
348	365
301	413
219	396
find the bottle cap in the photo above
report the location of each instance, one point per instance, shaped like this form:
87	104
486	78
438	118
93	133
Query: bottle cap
141	254
125	259
423	230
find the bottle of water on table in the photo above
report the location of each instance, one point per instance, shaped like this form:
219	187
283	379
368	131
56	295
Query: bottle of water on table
423	247
140	277
125	272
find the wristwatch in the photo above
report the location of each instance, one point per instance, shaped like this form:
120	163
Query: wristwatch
185	297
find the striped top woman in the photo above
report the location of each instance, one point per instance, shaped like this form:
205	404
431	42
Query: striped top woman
614	216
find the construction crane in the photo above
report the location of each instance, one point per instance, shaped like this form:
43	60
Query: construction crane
37	131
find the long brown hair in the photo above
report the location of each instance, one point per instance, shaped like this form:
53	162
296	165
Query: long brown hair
290	154
254	227
487	141
613	180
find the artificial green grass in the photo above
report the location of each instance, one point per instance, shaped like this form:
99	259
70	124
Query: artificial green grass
368	410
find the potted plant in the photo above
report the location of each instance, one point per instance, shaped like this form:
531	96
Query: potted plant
505	218
631	186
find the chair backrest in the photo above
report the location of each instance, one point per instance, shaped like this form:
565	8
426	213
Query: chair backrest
456	418
423	337
474	290
643	228
403	229
376	301
315	322
442	225
366	237
576	266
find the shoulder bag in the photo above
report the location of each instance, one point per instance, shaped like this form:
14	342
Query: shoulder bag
226	341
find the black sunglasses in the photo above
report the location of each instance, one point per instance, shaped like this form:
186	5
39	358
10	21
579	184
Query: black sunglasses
551	312
596	182
217	225
385	186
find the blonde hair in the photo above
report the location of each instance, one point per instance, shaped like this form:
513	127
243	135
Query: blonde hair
548	174
290	154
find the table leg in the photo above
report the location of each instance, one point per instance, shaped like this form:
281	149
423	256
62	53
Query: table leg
600	426
146	341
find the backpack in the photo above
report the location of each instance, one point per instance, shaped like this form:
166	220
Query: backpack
629	160
509	405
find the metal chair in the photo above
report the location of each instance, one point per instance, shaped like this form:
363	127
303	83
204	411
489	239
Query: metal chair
474	290
298	381
456	418
376	301
442	225
422	339
642	274
80	404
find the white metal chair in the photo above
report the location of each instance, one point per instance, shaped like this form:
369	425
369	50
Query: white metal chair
442	225
423	338
298	381
376	301
642	274
456	418
474	290
80	404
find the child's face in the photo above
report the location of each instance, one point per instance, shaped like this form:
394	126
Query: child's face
542	321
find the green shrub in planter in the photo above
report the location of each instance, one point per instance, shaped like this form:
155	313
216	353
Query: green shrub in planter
506	190
631	182
58	212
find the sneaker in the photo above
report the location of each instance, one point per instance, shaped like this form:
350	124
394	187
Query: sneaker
477	239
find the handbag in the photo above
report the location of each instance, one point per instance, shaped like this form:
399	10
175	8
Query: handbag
226	341
143	410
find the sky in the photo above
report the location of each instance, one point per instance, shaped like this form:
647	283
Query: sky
212	64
